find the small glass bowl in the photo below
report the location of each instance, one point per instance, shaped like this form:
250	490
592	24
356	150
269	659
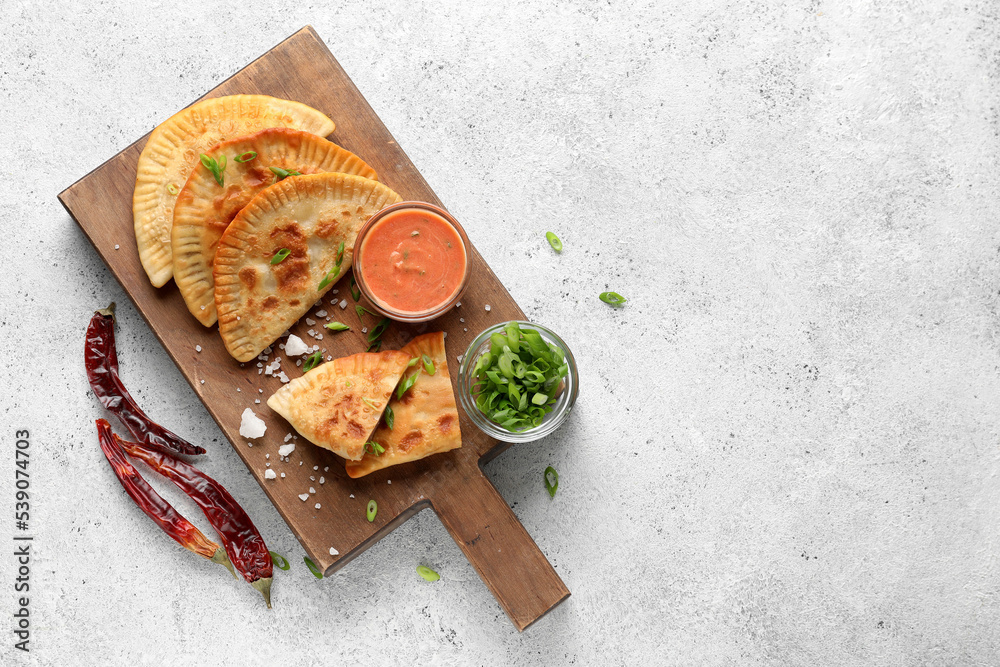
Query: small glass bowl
406	316
552	421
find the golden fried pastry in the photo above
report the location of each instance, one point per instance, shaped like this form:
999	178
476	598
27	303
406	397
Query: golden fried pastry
204	209
174	148
425	420
338	404
306	219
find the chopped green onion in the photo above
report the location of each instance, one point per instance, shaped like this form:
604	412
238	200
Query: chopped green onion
428	364
329	278
551	481
413	362
554	241
372	510
427	573
280	256
282	174
245	157
355	292
340	255
172	189
279	561
337	326
312	567
405	385
361	310
312	361
379	329
374	448
614	298
216	167
515	383
370	403
375	347
390	417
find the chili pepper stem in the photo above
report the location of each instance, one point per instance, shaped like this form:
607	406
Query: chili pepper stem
264	586
220	557
108	312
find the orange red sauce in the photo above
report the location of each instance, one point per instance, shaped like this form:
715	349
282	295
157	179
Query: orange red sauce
413	261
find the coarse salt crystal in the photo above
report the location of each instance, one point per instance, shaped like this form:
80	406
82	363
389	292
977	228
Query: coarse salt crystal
326	469
239	390
197	348
322	480
257	401
445	334
288	436
300	462
116	246
267	456
237	318
295	346
352	495
315	467
312	490
282	474
311	478
260	391
270	474
343	304
285	450
283	378
334	552
303	497
318	505
319	313
458	305
310	321
251	426
487	308
203	382
260	365
460	358
203	307
388	481
465	328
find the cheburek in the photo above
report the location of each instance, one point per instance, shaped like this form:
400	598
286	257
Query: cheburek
307	215
204	209
338	404
174	148
426	418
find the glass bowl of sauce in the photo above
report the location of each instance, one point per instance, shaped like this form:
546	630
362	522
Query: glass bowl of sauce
412	261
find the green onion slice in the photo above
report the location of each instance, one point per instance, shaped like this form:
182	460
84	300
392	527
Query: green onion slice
355	292
282	174
427	573
390	417
340	254
428	364
361	310
279	561
554	241
372	510
374	448
337	326
172	189
216	167
329	278
614	298
379	329
312	567
312	361
280	256
370	403
405	385
245	157
551	481
375	347
413	362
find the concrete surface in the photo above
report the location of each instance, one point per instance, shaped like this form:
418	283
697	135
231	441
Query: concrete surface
786	448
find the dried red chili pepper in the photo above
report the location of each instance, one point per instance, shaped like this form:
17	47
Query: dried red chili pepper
153	504
102	370
243	542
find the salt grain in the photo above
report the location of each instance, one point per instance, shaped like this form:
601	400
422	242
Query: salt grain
318	505
270	474
322	480
310	321
282	474
197	348
334	552
312	490
251	426
319	313
343	304
487	308
285	450
303	497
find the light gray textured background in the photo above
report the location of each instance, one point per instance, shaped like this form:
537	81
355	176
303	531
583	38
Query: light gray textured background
786	448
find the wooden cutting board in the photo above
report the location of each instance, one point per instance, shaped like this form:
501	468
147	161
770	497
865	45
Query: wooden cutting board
301	68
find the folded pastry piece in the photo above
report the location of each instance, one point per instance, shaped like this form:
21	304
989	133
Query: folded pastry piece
309	216
338	404
204	209
425	420
174	148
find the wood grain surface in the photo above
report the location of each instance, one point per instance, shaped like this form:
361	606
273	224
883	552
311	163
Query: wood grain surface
302	68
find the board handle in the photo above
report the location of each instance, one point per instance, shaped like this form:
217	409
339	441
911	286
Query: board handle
499	548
